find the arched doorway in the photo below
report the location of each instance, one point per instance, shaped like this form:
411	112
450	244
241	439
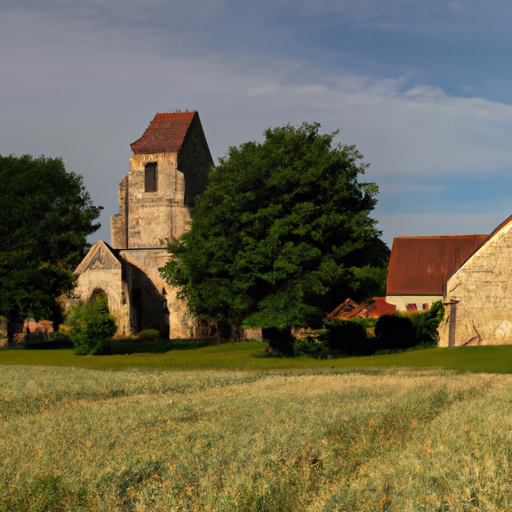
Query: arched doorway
100	294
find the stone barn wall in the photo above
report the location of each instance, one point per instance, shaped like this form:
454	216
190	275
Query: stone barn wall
479	295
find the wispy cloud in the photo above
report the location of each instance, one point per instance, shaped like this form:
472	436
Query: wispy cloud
85	83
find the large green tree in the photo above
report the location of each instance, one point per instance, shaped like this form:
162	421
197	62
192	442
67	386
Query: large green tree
282	234
45	216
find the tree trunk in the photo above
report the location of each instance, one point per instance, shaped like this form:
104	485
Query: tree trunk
279	340
223	332
12	318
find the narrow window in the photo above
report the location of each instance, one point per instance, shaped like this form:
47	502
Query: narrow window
150	177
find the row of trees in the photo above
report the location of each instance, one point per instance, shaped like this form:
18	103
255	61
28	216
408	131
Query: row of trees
282	234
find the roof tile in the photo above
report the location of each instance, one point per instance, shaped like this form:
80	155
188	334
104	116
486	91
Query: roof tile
165	134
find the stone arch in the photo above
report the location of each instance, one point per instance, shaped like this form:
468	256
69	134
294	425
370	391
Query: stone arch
99	292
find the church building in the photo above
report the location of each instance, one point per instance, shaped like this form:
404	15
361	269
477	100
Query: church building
168	169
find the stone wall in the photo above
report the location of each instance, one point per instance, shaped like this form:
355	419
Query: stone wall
154	218
162	309
118	223
109	281
195	162
479	296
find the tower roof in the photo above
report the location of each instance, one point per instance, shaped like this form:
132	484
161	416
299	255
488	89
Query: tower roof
165	134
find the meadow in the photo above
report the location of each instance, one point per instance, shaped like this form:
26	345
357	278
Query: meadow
252	356
329	439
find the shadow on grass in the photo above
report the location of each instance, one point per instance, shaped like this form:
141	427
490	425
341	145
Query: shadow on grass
128	346
122	347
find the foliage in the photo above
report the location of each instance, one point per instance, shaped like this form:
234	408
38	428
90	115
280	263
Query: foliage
149	335
280	341
347	337
426	323
310	346
51	344
395	331
281	234
45	217
405	330
90	328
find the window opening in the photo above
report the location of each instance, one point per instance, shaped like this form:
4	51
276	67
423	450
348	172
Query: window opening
150	177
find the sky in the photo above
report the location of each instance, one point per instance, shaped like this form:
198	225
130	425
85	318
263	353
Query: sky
422	88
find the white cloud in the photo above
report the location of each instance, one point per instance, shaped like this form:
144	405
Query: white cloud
85	93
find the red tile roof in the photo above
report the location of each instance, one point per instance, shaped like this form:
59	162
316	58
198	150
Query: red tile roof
421	265
380	307
165	134
347	309
351	309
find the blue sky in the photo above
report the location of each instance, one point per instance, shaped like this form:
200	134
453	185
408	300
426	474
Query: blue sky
422	88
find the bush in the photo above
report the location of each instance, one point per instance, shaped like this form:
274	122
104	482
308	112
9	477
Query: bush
395	331
280	341
310	346
90	328
149	335
347	337
426	324
51	344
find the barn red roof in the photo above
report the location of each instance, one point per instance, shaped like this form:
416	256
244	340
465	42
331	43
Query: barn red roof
421	265
165	134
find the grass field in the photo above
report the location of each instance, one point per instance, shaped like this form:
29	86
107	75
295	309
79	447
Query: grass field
182	431
251	356
215	440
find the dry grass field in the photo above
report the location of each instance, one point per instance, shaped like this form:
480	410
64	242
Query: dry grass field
154	440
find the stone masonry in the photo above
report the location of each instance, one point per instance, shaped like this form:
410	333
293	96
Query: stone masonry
479	295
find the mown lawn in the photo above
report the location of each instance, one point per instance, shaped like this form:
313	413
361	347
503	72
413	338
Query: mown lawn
78	439
252	356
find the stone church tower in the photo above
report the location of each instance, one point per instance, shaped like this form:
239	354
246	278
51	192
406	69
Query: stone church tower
169	167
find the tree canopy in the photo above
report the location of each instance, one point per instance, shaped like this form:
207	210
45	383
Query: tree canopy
282	233
45	216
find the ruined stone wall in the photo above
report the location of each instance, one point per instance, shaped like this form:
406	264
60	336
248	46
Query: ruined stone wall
119	222
109	280
160	305
481	296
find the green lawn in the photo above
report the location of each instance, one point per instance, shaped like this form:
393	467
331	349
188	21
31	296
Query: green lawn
252	356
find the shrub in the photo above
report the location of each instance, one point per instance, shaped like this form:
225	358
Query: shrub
426	323
310	346
347	337
395	331
90	328
149	335
280	341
